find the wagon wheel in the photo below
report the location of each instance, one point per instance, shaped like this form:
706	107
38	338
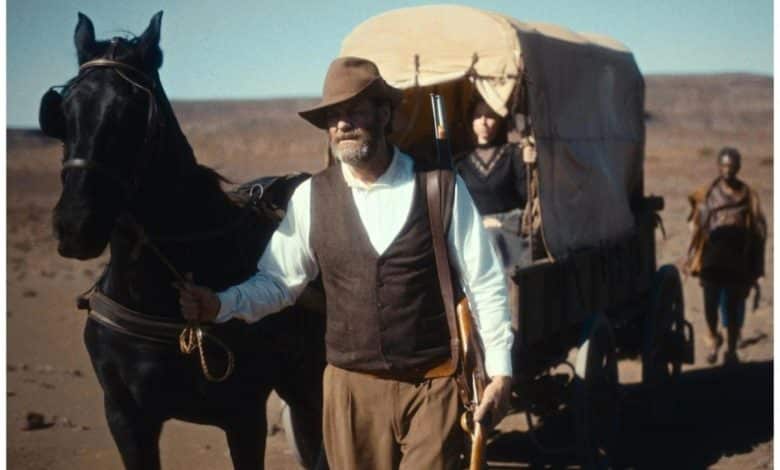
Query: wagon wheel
663	328
306	453
596	394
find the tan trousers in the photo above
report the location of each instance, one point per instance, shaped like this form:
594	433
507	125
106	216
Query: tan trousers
379	424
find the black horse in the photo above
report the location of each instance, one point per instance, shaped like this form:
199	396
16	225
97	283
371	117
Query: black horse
130	180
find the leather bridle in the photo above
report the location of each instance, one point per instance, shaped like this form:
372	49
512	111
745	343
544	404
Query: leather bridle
148	85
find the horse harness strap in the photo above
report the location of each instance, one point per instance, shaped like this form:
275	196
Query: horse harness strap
123	320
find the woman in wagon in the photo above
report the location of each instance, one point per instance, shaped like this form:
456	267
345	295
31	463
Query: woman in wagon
388	403
495	174
726	251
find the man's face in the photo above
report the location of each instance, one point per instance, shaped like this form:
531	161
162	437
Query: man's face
728	168
355	129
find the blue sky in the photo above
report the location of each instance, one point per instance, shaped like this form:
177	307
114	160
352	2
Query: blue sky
262	48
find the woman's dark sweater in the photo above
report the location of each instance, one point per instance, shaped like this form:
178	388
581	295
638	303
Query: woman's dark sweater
497	185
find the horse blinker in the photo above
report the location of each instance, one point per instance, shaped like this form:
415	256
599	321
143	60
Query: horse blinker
50	115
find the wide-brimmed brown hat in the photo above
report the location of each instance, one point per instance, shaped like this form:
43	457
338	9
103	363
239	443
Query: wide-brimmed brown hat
349	78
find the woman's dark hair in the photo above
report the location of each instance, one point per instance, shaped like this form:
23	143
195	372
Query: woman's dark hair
731	152
500	137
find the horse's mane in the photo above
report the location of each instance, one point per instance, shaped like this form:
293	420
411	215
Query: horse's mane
211	178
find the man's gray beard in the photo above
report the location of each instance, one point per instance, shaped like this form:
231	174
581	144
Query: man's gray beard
354	155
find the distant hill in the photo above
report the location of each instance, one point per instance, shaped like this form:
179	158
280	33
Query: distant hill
712	102
686	114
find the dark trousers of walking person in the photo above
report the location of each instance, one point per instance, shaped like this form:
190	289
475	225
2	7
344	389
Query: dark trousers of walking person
729	300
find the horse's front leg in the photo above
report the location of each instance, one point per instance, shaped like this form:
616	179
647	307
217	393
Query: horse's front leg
137	436
246	436
136	431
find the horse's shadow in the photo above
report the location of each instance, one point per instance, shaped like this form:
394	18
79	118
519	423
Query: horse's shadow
706	415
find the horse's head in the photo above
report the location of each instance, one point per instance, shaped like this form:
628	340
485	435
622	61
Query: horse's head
107	118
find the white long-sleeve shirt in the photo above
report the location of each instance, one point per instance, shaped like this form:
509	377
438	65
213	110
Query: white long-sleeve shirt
288	263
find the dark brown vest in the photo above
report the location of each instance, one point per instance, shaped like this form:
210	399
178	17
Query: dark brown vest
385	313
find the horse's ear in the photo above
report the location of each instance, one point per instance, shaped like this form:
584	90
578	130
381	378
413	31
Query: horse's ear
84	37
149	43
50	116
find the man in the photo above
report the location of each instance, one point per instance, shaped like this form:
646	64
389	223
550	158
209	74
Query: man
726	251
362	224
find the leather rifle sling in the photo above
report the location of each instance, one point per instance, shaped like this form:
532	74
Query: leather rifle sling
437	183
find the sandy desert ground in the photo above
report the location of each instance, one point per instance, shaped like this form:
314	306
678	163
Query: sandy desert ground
712	418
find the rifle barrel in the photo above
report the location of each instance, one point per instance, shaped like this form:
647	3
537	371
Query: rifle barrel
440	132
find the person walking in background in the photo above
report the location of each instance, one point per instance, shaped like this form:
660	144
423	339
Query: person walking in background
362	224
495	175
726	251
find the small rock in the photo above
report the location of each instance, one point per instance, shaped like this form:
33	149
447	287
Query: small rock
45	369
77	373
10	368
34	421
24	366
67	422
29	293
89	273
10	394
84	428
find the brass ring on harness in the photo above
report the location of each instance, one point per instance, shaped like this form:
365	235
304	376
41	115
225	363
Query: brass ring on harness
191	338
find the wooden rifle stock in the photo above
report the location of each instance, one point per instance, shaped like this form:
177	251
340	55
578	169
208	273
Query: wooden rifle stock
473	370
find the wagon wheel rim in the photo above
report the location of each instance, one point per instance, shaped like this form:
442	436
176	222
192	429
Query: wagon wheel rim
597	394
664	328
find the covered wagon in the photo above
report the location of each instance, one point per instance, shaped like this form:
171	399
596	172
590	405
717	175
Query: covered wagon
591	292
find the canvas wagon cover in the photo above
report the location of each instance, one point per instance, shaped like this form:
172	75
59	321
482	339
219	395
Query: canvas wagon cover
585	98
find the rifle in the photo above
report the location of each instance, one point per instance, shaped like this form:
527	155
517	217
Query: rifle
472	376
473	369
